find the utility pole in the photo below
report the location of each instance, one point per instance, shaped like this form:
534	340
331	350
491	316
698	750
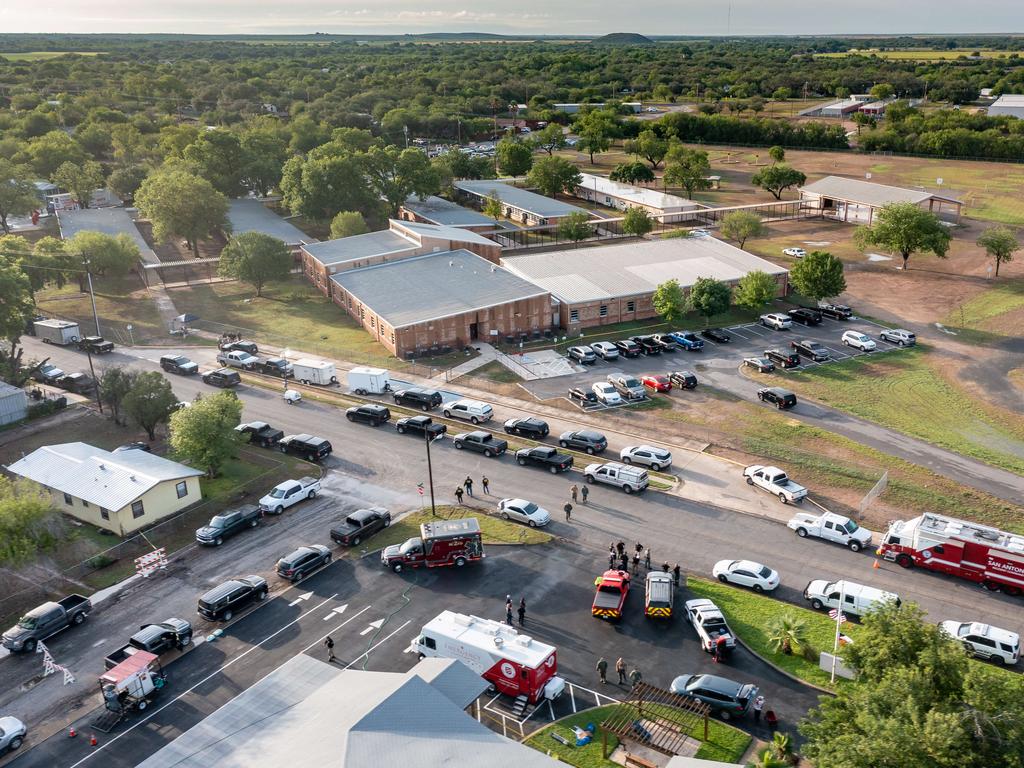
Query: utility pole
430	472
92	298
96	382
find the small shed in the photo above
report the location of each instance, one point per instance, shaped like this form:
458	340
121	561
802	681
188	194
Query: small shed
13	404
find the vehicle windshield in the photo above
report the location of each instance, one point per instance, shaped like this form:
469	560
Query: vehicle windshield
851	527
277	493
765	572
530	508
411	546
28	622
218	522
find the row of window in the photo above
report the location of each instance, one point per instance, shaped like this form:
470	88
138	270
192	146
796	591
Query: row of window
138	509
574	314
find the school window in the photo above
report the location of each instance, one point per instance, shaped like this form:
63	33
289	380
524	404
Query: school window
373	321
137	509
105	514
85	503
68	500
603	312
574	315
631	306
181	489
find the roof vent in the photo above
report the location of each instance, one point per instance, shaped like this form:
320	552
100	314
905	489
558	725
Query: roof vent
103	466
132	478
497	642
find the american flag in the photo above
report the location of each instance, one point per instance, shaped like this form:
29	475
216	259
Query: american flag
834	614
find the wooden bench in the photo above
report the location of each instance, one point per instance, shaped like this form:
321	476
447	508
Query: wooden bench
633	761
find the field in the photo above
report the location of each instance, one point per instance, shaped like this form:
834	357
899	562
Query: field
42	55
999	310
923	54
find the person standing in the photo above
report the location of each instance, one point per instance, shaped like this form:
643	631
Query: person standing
602	669
620	547
508	603
458	494
772	720
508	614
636	563
676	572
486	485
664	566
611	559
329	645
468	483
635	678
758	706
620	667
522	611
638	548
574	492
647	558
568	511
623	562
584	492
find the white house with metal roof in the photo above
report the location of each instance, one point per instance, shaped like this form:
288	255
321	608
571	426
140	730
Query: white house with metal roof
614	194
518	204
121	492
856	200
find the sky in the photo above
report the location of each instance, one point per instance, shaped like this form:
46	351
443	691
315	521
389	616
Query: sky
530	17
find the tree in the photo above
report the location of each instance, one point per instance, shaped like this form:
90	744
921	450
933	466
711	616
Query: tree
709	297
103	254
26	521
150	401
637	222
862	120
777	154
782	94
754	290
180	204
492	207
576	226
595	129
57	266
549	138
882	91
94	138
263	155
18	195
218	158
348	223
818	275
115	384
669	301
318	187
999	243
687	168
50	150
632	173
255	258
454	164
905	229
742	225
79	180
515	158
205	433
124	182
396	174
17	307
649	146
777	179
128	144
551	175
787	633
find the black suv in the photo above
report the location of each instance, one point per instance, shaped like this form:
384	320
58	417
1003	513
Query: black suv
178	364
309	447
421	425
544	456
628	348
424	399
805	316
683	379
785	359
584	440
302	561
275	366
481	442
529	427
716	334
244	346
583	396
836	311
648	344
76	382
360	525
223	378
223	602
368	413
780	398
811	349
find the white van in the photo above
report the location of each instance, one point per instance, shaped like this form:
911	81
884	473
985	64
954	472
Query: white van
857	599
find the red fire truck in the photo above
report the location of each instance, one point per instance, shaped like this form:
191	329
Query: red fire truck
975	552
610	597
445	542
516	664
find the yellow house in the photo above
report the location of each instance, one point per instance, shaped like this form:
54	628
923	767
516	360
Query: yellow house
122	491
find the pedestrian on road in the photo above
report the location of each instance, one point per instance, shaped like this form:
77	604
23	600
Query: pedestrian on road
635	678
458	493
636	564
602	669
574	492
758	706
329	645
468	482
568	511
772	720
620	547
611	559
620	667
522	611
508	615
508	603
675	574
638	548
623	562
647	558
486	485
584	492
664	566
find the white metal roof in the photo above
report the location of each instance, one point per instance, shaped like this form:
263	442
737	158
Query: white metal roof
249	215
110	221
440	211
867	192
1014	100
444	232
523	199
356	247
108	480
636	195
490	636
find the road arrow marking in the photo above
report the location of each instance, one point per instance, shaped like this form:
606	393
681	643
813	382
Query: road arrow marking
300	598
373	625
98	643
336	612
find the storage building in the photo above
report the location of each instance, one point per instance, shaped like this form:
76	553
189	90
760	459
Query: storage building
520	205
13	404
613	194
1011	104
857	201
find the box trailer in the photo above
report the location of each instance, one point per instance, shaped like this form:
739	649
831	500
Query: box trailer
61	332
369	381
314	372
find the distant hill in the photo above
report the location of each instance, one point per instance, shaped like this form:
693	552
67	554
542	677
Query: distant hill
623	38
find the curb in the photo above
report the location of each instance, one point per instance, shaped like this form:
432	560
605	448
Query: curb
781	671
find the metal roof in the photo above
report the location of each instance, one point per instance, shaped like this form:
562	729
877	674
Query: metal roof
440	231
433	286
111	221
108	480
636	195
370	245
1014	100
539	205
437	210
867	192
249	215
636	268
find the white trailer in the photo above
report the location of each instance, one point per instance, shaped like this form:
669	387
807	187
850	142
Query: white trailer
364	380
61	332
314	372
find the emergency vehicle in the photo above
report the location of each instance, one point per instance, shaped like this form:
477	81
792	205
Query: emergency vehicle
440	543
514	663
610	597
988	556
659	595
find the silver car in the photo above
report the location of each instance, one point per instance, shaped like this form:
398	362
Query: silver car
898	336
647	455
524	511
12	733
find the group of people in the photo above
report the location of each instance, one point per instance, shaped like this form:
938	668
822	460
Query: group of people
521	611
634	678
466	488
620	558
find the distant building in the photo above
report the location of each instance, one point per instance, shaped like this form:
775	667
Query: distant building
841	109
520	205
445	213
613	194
1010	104
574	107
854	200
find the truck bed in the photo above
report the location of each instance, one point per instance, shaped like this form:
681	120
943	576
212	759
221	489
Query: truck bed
605	599
71	602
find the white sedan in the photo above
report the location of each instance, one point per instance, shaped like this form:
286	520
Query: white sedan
796	253
746	573
647	455
606	393
524	511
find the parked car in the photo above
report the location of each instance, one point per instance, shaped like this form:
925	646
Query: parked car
12	734
582	396
544	456
805	316
260	433
776	482
666	342
716	334
781	398
291	396
759	364
238	358
421	425
709	623
699	233
276	366
785	359
76	382
242	346
648	345
812	349
47	374
369	413
727	698
304	560
361	524
657	382
310	447
835	311
222	377
289	493
171	634
628	348
582	354
228	523
831	527
524	511
481	442
417	397
473	411
583	440
629	479
536	429
796	253
847	596
859	340
138	445
46	620
606	393
898	336
223	602
95	345
688	340
647	455
984	640
628	386
178	364
683	379
746	573
605	350
777	320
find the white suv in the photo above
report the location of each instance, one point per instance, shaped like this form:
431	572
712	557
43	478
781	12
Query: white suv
859	340
985	641
605	350
777	320
473	411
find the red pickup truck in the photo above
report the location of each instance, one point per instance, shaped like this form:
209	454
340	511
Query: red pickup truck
612	588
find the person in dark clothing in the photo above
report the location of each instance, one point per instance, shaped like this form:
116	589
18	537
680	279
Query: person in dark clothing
664	566
602	669
623	562
620	547
468	483
568	511
676	573
611	559
647	558
584	492
620	667
522	611
329	645
508	616
638	548
458	493
636	564
486	485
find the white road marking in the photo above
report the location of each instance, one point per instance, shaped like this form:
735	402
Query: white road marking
199	640
300	598
336	612
346	621
98	643
374	647
373	625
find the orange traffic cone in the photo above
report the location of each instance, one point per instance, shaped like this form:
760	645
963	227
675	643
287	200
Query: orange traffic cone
92	740
72	732
875	564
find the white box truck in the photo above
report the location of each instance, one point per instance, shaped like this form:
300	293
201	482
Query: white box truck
314	372
61	332
369	381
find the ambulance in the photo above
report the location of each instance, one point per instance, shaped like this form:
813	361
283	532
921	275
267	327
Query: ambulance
514	663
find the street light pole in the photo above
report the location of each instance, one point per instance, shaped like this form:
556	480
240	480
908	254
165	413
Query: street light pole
92	298
430	473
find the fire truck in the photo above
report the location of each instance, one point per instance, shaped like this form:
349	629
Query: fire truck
988	556
610	597
514	663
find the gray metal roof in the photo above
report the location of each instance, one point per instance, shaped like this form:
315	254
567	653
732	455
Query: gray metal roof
108	480
433	286
249	215
440	211
112	221
637	195
538	205
866	192
441	231
382	243
636	268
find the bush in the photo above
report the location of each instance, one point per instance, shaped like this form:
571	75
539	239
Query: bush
100	561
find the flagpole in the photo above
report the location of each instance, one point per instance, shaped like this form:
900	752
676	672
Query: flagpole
839	623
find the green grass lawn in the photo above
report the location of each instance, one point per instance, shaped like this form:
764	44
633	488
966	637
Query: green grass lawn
120	301
495	371
494	529
987	311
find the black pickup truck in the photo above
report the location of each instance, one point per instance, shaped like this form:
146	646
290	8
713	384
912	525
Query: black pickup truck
360	525
260	433
95	345
228	523
46	620
812	349
481	442
158	639
544	456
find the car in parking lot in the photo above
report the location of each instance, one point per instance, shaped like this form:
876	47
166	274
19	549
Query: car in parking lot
781	398
647	455
606	393
648	344
699	233
310	447
812	349
898	336
243	346
481	442
582	396
536	429
777	320
628	386
688	340
785	359
178	364
605	350
302	561
716	334
665	341
859	340
835	311
746	573
583	440
544	456
360	525
805	316
421	425
47	374
225	600
727	698
523	511
628	348
473	411
657	382
368	413
276	366
683	379
582	354
796	253
137	445
759	364
984	640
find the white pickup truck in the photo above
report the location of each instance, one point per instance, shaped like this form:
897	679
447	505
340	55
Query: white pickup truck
776	482
236	358
288	493
709	622
831	527
627	478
